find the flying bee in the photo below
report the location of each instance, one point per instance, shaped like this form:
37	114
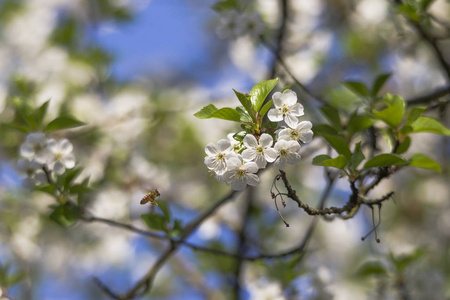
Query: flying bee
150	197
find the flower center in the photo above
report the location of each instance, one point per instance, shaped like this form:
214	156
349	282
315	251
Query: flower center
285	109
220	156
294	134
240	173
283	152
259	149
58	155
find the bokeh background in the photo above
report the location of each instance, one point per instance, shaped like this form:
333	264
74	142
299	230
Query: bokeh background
137	70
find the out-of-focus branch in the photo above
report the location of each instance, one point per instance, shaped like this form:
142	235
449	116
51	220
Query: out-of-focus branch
434	95
278	49
242	244
146	282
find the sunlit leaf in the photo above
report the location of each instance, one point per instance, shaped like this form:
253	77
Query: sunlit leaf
246	103
65	215
404	145
379	83
332	116
425	124
414	114
64	123
338	144
154	221
393	114
324	160
356	87
422	161
226	113
260	91
385	160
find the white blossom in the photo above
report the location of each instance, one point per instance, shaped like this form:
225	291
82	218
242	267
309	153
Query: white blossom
302	132
35	147
62	155
259	151
288	152
286	107
31	170
240	174
217	155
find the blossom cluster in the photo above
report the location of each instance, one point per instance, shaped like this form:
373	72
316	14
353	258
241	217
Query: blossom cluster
237	162
41	153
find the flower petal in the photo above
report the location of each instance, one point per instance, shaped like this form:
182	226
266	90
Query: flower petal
65	146
290	97
40	178
239	184
265	140
291	120
270	154
68	161
59	168
275	115
307	136
280	163
211	149
297	110
278	100
250	141
249	154
260	161
250	167
252	179
293	158
27	149
223	145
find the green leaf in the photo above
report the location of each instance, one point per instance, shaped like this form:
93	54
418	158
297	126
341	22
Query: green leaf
358	123
389	137
64	123
244	116
379	82
409	11
70	176
80	189
224	5
260	91
154	221
245	103
16	126
422	161
285	88
404	146
324	160
339	145
357	157
239	136
356	87
266	108
41	112
332	116
206	112
226	113
393	114
164	208
425	124
403	261
49	189
320	129
414	114
385	160
177	228
65	215
372	268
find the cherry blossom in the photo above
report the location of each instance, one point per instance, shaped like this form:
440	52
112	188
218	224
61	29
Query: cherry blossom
259	151
286	107
302	132
240	174
288	152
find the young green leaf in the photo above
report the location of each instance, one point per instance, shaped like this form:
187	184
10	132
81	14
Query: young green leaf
64	123
393	114
266	108
41	112
404	145
425	124
324	160
357	157
260	91
414	114
245	118
339	145
356	87
164	208
321	129
385	160
225	113
65	215
422	161
332	116
245	103
154	221
358	123
372	268
378	84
